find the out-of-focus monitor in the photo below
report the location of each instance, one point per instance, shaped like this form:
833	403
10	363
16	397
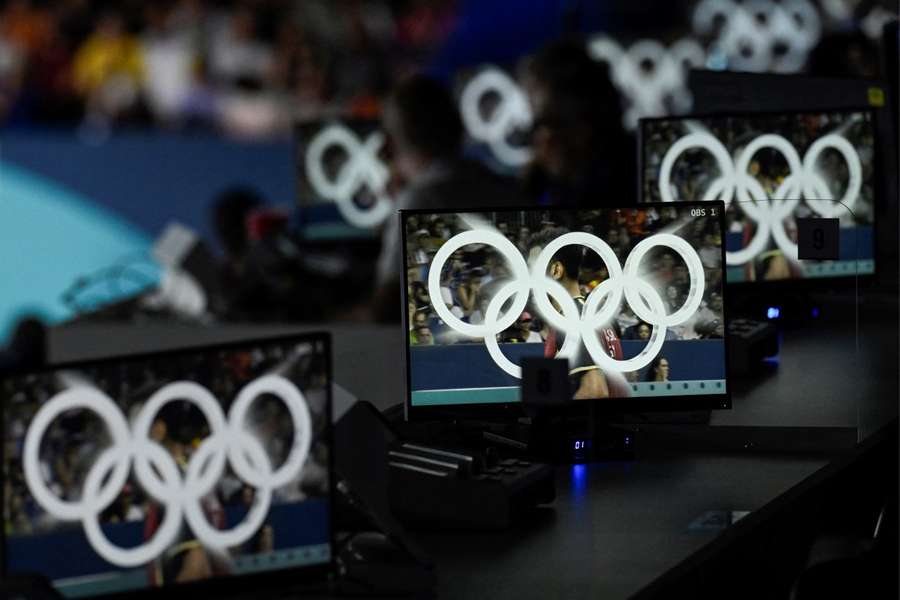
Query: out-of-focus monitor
632	297
762	162
206	469
731	92
342	178
727	92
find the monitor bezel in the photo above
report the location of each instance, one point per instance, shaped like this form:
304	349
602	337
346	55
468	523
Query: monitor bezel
778	287
217	585
508	411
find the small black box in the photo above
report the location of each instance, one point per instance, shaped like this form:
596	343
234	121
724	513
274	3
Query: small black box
818	239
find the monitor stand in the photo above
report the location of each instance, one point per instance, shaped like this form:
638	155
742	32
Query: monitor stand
556	438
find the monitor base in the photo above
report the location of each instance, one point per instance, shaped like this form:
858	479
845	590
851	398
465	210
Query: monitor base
558	440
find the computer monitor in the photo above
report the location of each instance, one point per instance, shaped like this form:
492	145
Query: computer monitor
728	92
207	467
632	297
342	175
799	157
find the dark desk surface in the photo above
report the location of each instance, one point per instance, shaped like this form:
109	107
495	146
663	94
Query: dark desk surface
614	527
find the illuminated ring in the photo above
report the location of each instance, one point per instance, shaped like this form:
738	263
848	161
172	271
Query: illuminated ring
768	215
631	277
163	537
794	23
256	516
86	398
294	401
768	140
815	188
544	286
184	391
158	474
645	92
514	261
513	112
362	168
641	296
654	344
705	141
569	347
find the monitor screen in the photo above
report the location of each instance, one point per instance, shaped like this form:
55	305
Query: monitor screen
633	298
801	158
137	473
342	175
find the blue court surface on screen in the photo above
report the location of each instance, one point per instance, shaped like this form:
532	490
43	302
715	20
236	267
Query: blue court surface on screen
696	367
301	538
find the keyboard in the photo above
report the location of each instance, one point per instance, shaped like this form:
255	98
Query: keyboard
439	487
750	341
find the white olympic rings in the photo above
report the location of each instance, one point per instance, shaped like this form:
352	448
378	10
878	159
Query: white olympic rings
649	75
753	31
601	306
511	113
158	473
735	181
363	168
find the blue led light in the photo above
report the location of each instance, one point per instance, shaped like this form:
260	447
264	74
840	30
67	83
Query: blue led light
774	312
579	480
815	313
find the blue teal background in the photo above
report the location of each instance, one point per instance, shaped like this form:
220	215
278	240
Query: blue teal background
70	208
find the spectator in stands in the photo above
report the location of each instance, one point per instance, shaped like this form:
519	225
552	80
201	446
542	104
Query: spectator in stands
710	254
235	52
582	156
423	337
658	370
643	332
108	70
424	126
709	320
674	299
468	292
411	313
526	333
169	62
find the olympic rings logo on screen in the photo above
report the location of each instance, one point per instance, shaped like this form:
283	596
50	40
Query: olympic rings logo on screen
363	168
761	35
158	473
511	113
735	181
649	75
600	307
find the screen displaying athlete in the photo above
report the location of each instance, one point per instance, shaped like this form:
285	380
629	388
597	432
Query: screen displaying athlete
770	169
607	290
118	474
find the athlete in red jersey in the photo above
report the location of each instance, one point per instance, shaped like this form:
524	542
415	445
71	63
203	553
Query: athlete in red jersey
588	381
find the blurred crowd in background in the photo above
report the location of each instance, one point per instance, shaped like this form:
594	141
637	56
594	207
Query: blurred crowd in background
252	67
246	67
474	274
